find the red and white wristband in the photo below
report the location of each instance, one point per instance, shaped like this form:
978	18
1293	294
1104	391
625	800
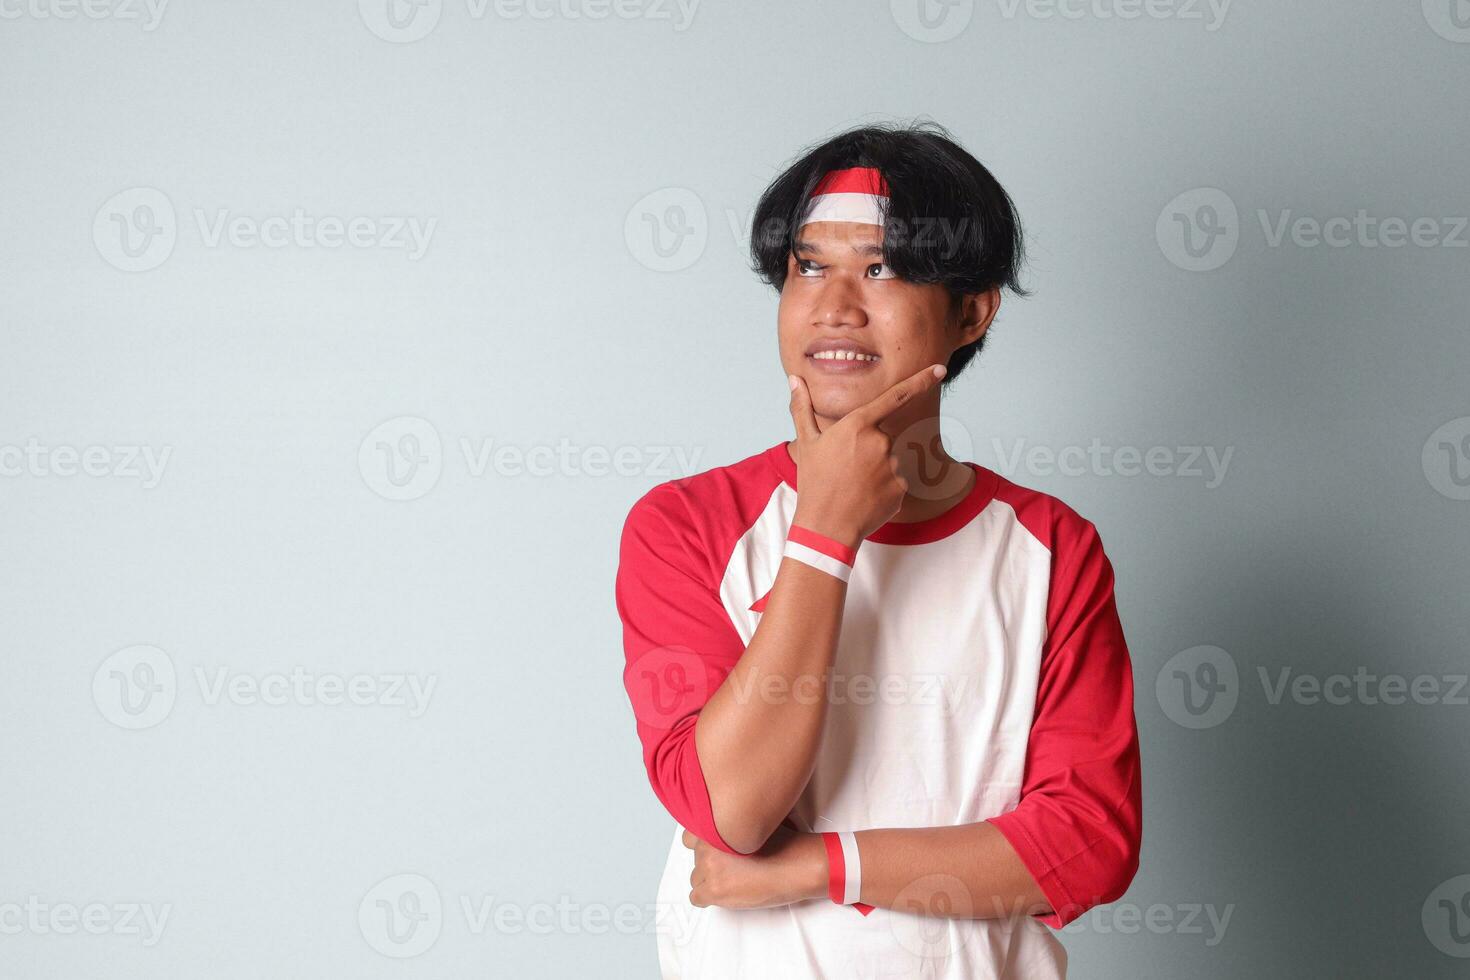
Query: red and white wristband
844	867
820	552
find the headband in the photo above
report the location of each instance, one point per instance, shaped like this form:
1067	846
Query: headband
857	194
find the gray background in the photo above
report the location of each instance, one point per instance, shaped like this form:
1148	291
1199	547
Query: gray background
542	315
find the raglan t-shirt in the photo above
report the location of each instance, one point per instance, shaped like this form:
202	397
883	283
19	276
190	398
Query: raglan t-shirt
981	674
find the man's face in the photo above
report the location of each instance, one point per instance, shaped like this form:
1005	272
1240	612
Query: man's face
850	328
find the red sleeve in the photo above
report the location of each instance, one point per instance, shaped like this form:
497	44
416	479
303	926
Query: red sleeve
1078	825
678	646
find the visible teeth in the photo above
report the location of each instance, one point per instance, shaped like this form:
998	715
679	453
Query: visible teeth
843	355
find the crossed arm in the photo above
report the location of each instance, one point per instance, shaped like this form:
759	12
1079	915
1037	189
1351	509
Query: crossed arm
965	871
730	767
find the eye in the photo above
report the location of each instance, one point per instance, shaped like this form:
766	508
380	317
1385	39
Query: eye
880	271
807	268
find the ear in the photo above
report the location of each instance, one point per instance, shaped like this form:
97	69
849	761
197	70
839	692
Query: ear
976	312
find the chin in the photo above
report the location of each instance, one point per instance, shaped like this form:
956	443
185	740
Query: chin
835	401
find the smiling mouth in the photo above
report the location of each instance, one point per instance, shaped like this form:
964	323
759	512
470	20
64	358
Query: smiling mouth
842	355
839	362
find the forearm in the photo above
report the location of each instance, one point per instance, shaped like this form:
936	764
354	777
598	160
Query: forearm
968	871
758	735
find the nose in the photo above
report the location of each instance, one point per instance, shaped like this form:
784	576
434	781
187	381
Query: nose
839	305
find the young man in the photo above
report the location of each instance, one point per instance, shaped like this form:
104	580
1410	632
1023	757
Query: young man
884	693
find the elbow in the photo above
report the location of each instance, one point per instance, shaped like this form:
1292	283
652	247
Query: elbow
1119	863
745	845
1130	845
1123	845
744	816
680	786
744	832
1128	864
724	816
1105	881
1120	874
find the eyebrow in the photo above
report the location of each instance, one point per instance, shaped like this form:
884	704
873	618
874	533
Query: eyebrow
811	249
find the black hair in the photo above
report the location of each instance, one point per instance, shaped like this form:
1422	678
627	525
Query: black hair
948	220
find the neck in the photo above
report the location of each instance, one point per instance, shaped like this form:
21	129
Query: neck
936	480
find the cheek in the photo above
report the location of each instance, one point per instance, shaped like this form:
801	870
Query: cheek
788	332
907	337
921	335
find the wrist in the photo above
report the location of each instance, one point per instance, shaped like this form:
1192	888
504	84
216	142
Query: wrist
842	532
844	869
819	551
816	874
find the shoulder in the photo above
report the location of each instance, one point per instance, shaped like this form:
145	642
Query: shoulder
1049	519
1081	573
707	511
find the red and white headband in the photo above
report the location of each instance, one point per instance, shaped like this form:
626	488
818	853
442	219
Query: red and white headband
858	194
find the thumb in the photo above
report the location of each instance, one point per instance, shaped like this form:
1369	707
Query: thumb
802	415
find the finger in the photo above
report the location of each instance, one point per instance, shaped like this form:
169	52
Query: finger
899	395
802	415
689	840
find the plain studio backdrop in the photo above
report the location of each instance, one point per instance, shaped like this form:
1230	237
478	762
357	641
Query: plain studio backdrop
339	338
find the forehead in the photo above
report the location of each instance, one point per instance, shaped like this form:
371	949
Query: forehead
839	237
